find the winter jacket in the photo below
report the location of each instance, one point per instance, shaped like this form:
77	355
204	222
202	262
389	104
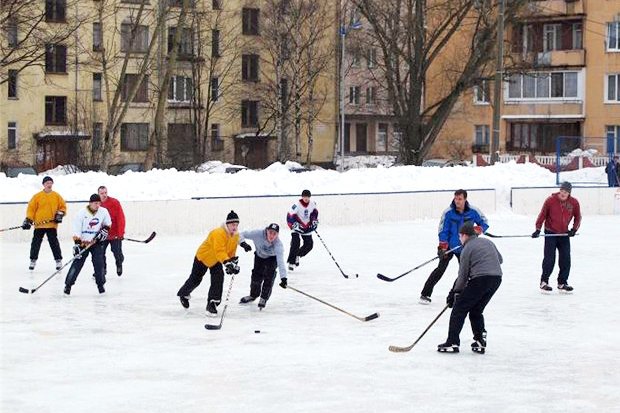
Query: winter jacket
306	215
613	173
266	249
479	258
451	221
87	223
118	218
43	207
219	246
557	214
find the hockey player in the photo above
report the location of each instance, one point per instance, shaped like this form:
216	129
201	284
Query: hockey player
459	212
46	209
480	275
269	255
117	231
217	253
556	213
90	229
302	219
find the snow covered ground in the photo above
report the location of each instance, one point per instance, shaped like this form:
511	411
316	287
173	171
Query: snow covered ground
135	349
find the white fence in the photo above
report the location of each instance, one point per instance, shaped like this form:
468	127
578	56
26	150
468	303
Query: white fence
547	159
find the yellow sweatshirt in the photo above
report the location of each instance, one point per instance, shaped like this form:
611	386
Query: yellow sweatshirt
218	247
43	207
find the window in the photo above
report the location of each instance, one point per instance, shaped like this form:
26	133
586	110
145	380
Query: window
55	10
382	131
354	95
55	58
12	33
97	86
217	143
135	1
97	37
612	132
552	37
249	113
613	36
371	95
249	67
613	86
142	95
356	57
186	42
216	5
371	58
481	93
140	43
215	43
179	3
55	110
250	21
544	85
97	136
12	84
215	89
134	136
180	89
12	136
577	35
483	133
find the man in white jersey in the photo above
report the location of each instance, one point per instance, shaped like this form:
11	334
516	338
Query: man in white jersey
302	219
90	229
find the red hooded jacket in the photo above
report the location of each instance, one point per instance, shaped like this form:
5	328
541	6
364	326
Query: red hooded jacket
557	214
117	231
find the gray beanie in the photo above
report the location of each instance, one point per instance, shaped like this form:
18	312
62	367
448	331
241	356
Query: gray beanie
566	186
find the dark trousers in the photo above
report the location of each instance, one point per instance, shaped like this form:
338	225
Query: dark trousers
96	253
437	273
263	276
562	244
37	239
295	250
472	300
195	278
116	245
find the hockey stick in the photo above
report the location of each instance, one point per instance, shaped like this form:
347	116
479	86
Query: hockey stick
330	254
524	236
146	241
367	318
19	226
26	291
384	278
397	349
219	326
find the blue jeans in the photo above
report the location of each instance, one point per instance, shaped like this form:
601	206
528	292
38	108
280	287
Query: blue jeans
96	252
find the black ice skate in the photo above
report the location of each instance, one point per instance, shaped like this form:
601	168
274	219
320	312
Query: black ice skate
101	289
424	300
119	269
297	261
247	299
212	307
479	346
184	301
58	264
448	348
545	287
565	289
67	289
262	303
32	264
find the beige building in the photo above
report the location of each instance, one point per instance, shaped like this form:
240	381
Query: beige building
101	66
568	85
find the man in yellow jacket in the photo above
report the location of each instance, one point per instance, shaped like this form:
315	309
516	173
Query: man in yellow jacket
217	253
45	210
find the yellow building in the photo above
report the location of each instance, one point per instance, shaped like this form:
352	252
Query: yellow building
229	97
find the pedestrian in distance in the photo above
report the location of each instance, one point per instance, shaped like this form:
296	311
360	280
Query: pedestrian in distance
480	275
91	227
46	210
459	212
217	254
117	231
268	256
302	219
613	172
557	213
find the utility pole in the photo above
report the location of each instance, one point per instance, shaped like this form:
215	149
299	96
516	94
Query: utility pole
497	90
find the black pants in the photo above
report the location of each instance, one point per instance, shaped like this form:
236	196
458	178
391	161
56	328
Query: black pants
437	273
263	276
562	244
96	253
295	250
472	300
37	239
116	245
195	278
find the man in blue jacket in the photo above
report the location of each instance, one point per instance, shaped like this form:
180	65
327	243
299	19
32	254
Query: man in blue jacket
613	172
459	212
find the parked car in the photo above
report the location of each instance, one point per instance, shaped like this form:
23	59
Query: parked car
120	169
444	162
13	169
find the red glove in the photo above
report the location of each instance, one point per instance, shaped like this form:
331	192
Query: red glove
443	246
478	229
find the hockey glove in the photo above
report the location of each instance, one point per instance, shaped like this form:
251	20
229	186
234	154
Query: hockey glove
451	299
572	232
231	266
283	283
246	247
102	235
26	224
58	217
441	250
314	225
296	227
536	234
77	248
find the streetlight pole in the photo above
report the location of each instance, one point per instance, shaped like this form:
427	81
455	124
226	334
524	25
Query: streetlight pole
497	90
341	143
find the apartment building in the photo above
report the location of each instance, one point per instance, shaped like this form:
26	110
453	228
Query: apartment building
563	79
100	71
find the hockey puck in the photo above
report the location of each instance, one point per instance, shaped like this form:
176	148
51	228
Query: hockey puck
257	331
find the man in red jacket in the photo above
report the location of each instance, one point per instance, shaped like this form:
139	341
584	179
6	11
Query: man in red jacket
117	231
557	212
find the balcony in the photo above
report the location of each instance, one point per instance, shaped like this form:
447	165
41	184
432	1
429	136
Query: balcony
553	58
555	7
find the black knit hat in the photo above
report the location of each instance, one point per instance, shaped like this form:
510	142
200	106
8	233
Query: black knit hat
567	186
273	226
305	192
468	229
47	178
232	217
95	198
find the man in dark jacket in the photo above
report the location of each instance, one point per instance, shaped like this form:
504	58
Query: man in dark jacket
480	275
453	218
556	213
613	172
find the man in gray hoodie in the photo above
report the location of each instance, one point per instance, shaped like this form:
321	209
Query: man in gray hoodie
269	255
480	275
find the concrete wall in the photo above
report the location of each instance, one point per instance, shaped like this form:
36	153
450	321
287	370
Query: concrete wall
593	200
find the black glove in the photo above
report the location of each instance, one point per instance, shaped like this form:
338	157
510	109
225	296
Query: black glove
283	283
76	251
102	235
27	224
536	234
572	232
451	299
314	224
246	247
58	216
231	266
